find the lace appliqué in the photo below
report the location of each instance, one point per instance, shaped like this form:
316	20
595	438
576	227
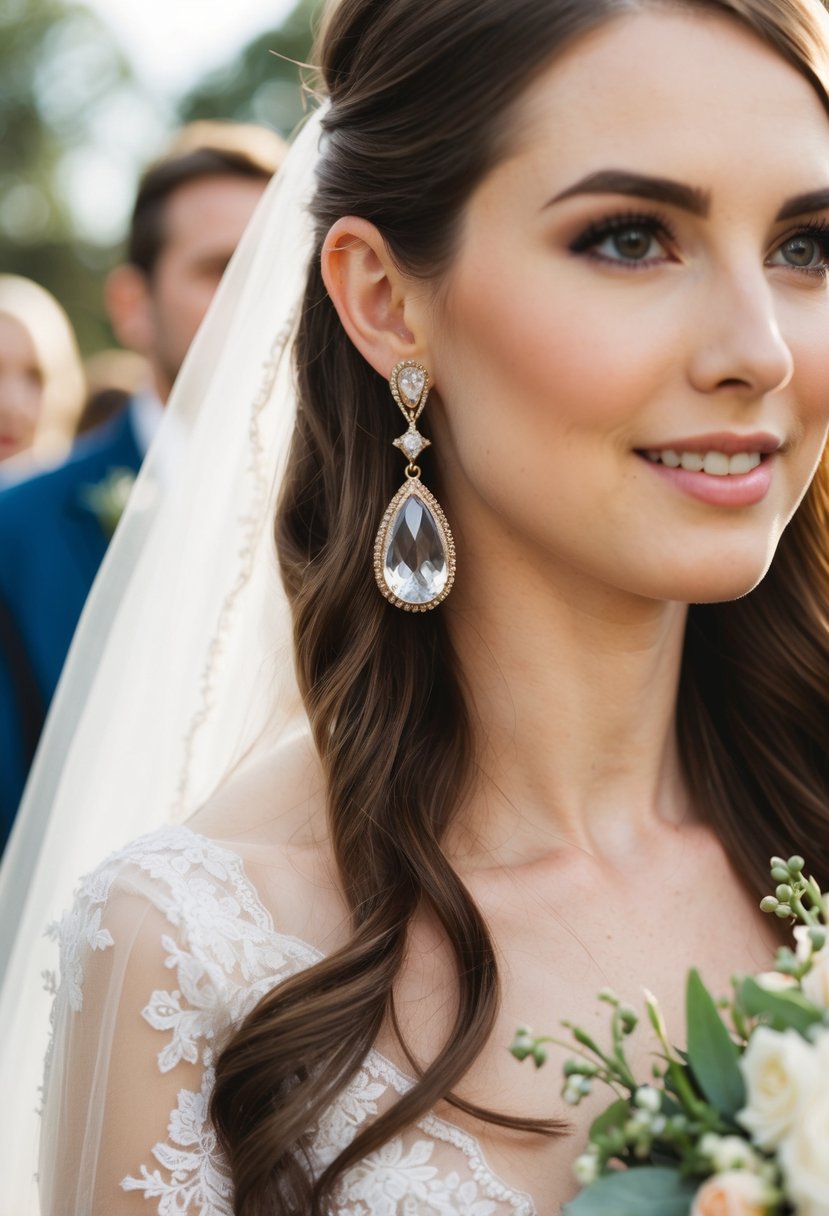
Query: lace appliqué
197	1181
402	1178
233	957
395	1181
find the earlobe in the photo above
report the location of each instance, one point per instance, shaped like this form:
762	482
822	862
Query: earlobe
370	293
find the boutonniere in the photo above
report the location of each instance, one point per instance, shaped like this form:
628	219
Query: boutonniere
737	1124
107	498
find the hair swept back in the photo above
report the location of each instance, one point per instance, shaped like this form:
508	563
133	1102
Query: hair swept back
421	92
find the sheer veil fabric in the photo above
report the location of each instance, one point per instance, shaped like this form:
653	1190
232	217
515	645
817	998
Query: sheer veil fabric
182	660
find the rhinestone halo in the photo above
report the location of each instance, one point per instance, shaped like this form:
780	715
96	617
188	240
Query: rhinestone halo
414	554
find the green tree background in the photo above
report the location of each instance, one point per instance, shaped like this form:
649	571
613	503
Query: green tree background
63	76
263	83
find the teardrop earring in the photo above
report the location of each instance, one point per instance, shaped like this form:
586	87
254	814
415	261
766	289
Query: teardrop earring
414	554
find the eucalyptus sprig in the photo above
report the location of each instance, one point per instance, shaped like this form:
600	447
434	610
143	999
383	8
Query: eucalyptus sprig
797	898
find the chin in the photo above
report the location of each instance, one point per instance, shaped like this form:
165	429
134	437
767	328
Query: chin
713	580
728	589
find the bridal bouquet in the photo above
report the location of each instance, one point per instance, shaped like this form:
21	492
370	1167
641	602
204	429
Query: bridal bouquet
738	1123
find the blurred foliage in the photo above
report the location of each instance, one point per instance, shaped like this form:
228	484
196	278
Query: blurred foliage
263	84
59	65
67	93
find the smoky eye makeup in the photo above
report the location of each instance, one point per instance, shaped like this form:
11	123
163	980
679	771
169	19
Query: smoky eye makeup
631	233
629	238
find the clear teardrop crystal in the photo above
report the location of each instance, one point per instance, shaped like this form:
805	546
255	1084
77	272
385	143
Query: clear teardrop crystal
410	383
415	566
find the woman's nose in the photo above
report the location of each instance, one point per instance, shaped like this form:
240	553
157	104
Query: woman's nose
740	345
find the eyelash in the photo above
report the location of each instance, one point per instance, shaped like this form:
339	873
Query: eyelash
659	227
599	230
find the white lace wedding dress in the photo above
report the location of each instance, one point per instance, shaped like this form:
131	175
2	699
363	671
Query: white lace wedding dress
167	946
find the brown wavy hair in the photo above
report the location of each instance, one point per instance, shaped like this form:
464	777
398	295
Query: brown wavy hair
422	95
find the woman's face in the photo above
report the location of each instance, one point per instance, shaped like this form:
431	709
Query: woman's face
643	284
21	388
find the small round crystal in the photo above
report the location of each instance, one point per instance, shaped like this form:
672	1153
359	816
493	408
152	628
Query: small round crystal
412	443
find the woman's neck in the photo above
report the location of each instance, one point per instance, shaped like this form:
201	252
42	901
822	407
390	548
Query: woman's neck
573	692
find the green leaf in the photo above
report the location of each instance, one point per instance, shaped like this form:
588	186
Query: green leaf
780	1010
616	1115
712	1054
641	1191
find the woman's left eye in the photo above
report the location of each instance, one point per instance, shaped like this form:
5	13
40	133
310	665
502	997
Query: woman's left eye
808	250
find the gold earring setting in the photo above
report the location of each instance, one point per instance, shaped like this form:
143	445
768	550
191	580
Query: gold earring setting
414	553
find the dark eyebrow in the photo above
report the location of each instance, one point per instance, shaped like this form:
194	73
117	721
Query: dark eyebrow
815	200
639	185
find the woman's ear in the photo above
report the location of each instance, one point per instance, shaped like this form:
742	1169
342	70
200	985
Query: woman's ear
379	307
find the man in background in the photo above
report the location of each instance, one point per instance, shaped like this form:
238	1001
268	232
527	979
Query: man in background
191	209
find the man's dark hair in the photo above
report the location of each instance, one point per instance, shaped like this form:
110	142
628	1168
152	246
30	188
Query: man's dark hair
201	150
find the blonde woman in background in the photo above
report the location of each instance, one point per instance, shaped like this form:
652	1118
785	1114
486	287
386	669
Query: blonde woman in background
41	377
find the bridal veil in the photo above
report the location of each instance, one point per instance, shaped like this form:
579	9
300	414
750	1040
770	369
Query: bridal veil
182	660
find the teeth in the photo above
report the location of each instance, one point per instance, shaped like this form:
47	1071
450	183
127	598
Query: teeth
743	462
715	464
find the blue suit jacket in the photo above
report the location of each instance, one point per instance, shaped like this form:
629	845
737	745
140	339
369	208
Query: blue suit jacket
51	545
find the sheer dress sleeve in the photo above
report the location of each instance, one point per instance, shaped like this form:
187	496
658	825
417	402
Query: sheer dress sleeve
161	953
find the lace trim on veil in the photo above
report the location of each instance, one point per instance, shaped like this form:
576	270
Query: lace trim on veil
250	525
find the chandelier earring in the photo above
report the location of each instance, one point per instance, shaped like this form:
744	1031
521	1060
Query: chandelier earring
414	554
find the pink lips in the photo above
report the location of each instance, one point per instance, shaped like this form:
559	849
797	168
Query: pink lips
732	490
735	490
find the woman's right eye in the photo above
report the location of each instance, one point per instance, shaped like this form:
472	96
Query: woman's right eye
631	241
630	245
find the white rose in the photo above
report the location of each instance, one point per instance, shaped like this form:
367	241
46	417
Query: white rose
734	1193
804	1154
781	1073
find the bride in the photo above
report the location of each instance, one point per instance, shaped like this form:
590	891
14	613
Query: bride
565	327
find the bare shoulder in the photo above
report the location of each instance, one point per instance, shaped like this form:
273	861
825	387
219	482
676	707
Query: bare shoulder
271	812
274	797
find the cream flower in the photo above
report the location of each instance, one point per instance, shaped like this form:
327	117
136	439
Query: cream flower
804	1155
815	983
781	1074
775	981
729	1153
734	1193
